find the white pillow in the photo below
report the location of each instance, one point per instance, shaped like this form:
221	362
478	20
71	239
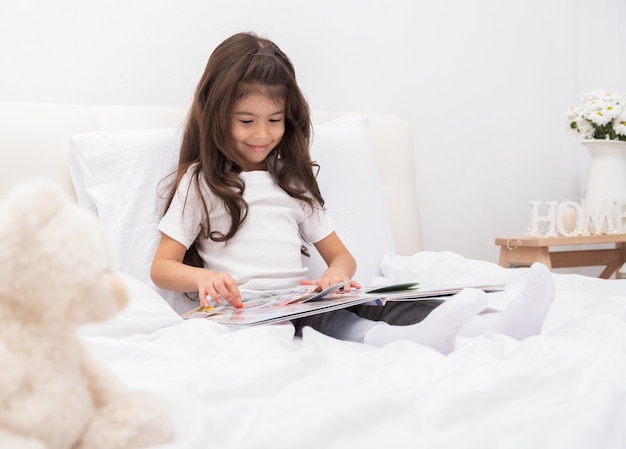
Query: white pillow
117	174
351	185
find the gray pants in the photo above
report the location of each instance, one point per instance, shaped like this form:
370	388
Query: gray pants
353	323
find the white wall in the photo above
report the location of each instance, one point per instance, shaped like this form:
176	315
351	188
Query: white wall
485	84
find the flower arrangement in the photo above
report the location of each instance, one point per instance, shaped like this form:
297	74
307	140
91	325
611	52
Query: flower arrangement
602	115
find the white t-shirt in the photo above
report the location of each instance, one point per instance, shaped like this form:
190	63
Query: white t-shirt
265	253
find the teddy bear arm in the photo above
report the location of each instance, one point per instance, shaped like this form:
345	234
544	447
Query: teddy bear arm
123	418
102	385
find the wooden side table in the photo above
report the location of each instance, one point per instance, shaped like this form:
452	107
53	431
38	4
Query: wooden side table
523	251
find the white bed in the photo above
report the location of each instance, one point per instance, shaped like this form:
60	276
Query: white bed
260	387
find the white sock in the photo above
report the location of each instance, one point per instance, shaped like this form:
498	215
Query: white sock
439	329
525	315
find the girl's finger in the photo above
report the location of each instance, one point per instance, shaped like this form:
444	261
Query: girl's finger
229	292
203	297
212	297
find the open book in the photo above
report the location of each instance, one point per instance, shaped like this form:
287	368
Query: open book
305	301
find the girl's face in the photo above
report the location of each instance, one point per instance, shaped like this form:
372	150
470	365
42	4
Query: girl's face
258	124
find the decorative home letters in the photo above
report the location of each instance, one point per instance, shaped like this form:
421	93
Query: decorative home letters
571	218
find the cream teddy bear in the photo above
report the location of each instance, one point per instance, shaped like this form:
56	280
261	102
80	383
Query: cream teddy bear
57	274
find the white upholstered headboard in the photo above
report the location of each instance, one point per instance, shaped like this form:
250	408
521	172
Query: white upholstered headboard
34	143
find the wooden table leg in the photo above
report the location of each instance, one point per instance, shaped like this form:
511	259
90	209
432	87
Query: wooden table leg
610	269
622	248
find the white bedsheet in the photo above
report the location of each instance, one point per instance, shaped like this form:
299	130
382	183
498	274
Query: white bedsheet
261	388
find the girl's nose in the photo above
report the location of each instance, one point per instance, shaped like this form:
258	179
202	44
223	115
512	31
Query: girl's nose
261	131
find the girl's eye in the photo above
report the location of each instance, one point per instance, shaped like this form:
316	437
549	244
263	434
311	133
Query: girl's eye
245	122
276	120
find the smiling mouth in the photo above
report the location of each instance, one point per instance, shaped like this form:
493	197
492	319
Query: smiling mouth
258	148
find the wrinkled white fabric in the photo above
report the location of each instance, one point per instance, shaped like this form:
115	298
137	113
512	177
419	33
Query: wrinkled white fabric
260	387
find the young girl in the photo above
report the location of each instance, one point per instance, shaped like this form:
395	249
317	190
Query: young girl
245	197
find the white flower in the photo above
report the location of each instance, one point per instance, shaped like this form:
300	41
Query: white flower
619	125
600	116
586	129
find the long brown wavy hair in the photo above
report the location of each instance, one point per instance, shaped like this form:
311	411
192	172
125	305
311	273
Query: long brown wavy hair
244	64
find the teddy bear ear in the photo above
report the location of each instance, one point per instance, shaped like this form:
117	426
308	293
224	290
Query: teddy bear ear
31	205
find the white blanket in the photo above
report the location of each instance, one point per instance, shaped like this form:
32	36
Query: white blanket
261	388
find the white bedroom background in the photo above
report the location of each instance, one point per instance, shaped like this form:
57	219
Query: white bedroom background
484	84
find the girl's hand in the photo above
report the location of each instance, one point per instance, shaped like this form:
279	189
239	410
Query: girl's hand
326	281
341	264
219	287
